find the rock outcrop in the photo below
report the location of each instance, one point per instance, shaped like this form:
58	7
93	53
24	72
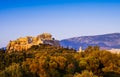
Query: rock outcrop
24	43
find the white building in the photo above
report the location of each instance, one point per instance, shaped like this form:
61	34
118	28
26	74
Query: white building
80	49
117	51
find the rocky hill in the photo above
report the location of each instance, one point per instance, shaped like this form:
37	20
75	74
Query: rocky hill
106	41
24	43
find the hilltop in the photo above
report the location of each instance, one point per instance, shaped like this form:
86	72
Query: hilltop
106	41
24	43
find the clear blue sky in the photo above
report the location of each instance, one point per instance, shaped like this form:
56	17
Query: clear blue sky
61	18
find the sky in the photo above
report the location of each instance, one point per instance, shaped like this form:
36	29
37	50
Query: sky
62	18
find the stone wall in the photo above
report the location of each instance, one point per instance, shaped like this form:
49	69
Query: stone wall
24	43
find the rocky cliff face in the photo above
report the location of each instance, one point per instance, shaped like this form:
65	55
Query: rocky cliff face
24	43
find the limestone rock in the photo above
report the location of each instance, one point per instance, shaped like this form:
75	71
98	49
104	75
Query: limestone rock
24	43
45	36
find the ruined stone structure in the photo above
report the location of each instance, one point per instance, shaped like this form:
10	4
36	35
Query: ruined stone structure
24	43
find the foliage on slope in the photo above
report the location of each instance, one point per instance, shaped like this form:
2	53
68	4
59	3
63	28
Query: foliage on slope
50	61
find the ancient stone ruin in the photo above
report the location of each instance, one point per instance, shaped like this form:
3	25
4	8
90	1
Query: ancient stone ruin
24	43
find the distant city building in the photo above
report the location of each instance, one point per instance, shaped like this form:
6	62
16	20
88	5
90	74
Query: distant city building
117	51
80	49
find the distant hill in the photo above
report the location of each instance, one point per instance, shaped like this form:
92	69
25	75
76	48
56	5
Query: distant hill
106	41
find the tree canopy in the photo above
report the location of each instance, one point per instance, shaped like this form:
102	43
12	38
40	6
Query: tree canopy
49	61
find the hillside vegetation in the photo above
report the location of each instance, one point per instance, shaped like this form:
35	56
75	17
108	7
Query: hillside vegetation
49	61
